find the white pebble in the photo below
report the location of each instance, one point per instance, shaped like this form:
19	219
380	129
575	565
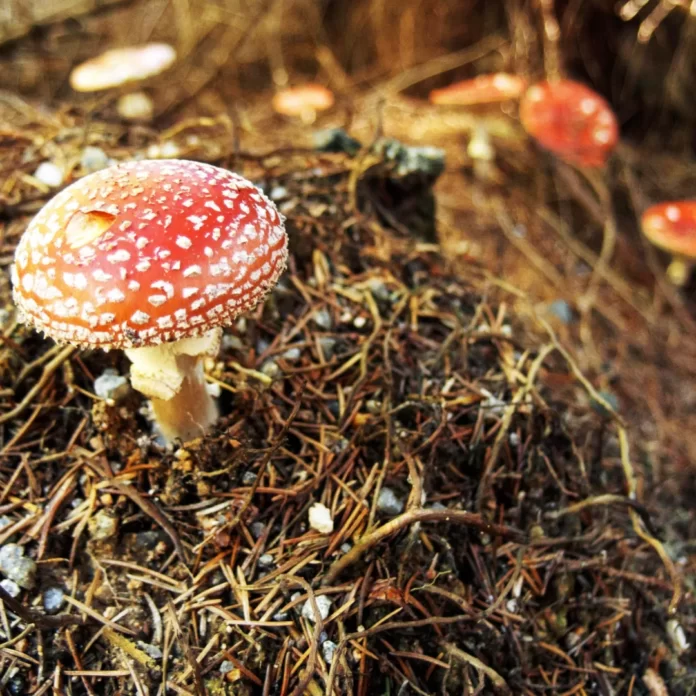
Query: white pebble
328	649
320	518
53	599
323	604
103	525
291	354
15	566
111	385
49	174
322	319
11	587
677	636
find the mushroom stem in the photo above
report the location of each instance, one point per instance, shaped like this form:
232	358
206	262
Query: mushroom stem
192	410
171	374
678	271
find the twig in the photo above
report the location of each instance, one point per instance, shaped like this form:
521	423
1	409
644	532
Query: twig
152	510
410	517
499	684
46	375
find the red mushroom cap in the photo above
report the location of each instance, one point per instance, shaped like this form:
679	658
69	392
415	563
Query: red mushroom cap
484	89
148	252
672	227
570	120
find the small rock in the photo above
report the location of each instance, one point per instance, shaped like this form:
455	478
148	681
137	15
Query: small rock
152	650
15	566
280	616
328	649
437	506
278	193
147	541
359	322
677	635
5	521
291	354
266	560
226	667
11	587
562	310
103	525
335	140
388	503
323	604
379	290
257	529
111	385
49	174
93	159
345	547
136	106
320	518
248	478
270	369
53	599
328	346
322	318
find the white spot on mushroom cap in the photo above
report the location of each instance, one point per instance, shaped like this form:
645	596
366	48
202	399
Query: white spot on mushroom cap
673	213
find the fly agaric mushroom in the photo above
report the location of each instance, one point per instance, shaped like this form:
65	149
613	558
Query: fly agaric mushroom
303	101
671	226
153	257
120	65
570	120
484	89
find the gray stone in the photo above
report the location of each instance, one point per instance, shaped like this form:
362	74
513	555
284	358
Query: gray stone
328	649
322	319
388	503
152	650
15	566
11	587
292	354
103	525
111	385
323	604
53	599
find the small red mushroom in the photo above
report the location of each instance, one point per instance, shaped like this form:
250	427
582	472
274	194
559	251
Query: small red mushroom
570	120
671	226
484	89
152	257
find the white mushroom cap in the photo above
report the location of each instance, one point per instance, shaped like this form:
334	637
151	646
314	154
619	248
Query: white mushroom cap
121	65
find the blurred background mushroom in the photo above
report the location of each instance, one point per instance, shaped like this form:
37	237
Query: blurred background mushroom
118	68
